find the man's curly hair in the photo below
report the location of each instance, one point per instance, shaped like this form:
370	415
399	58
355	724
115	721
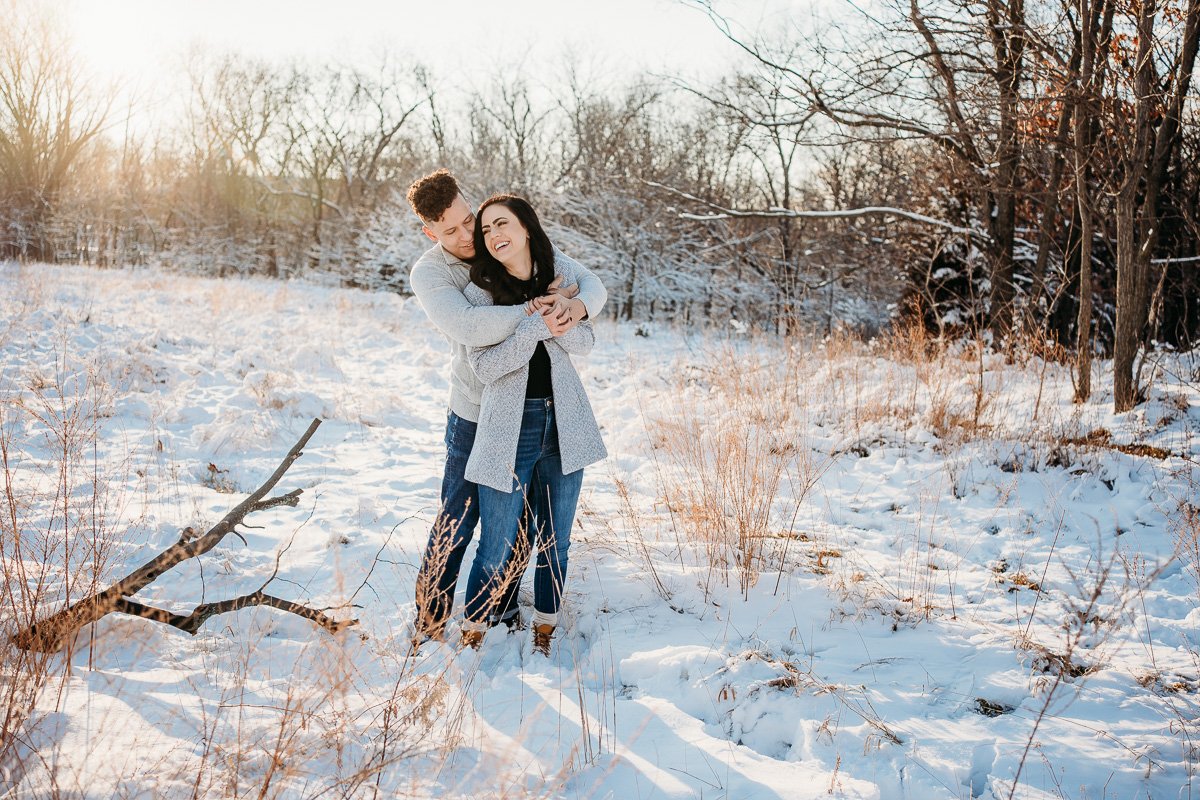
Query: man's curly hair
432	195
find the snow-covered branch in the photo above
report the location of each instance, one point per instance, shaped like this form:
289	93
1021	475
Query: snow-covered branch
720	212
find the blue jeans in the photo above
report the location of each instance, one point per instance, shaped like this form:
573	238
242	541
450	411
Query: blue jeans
539	488
452	532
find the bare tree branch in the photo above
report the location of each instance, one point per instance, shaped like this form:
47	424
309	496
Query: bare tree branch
192	623
57	630
720	212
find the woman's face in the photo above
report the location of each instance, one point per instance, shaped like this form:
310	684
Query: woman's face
504	235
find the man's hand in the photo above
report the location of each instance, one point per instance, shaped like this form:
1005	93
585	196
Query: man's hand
560	313
558	326
555	294
556	287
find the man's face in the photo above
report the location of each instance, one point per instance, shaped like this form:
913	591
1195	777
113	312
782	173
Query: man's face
455	230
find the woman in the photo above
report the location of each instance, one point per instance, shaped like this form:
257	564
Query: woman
536	426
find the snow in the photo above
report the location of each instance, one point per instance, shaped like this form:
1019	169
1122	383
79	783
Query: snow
948	552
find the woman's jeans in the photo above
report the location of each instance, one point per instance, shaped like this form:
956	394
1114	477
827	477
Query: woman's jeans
498	562
452	532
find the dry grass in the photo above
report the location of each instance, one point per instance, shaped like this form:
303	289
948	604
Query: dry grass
735	461
324	730
909	381
734	464
327	727
56	539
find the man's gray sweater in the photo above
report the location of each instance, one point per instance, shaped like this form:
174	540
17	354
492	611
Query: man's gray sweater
438	280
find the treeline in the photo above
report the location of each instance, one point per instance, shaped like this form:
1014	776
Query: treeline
998	168
1062	145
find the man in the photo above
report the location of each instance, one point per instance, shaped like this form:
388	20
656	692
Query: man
438	279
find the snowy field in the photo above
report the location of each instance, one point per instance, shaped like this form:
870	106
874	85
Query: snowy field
835	570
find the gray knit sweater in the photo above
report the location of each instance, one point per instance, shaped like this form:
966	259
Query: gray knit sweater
438	280
504	371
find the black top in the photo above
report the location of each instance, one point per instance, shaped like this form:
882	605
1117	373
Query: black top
539	385
539	374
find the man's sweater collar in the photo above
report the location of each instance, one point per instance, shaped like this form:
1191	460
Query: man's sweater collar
452	260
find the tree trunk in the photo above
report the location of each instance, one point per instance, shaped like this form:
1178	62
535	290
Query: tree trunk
1131	311
1006	24
1003	233
1049	223
1137	200
1084	138
1083	327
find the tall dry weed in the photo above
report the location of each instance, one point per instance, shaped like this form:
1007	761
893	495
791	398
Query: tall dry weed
733	461
57	539
948	396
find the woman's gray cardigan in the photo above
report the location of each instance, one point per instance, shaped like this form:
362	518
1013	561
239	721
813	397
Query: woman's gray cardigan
504	370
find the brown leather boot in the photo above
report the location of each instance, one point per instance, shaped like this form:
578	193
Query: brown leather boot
472	639
542	634
422	634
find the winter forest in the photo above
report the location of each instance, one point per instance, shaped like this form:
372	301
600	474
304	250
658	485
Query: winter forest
897	373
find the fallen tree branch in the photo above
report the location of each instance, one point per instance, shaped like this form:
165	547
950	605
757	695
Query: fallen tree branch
54	632
202	613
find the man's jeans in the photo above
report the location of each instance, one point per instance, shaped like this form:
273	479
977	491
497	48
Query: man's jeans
452	532
541	487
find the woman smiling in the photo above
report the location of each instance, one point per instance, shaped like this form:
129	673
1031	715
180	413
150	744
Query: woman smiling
536	426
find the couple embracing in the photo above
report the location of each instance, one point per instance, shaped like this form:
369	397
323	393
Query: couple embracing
520	428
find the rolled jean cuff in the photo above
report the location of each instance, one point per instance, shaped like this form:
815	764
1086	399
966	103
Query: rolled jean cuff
542	618
475	627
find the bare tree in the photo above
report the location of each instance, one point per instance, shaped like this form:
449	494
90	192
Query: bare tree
606	129
1147	113
288	160
609	138
508	128
768	123
949	72
1095	32
48	115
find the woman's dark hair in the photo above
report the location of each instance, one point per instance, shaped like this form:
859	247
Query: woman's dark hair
489	274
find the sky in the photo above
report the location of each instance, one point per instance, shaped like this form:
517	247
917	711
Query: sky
142	43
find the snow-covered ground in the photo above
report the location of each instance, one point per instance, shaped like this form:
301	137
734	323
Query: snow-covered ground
955	573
